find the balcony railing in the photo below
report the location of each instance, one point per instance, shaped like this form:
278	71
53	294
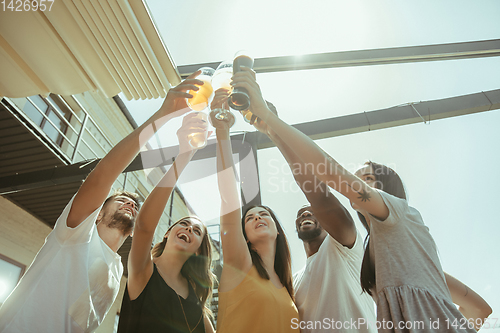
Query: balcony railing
73	133
76	136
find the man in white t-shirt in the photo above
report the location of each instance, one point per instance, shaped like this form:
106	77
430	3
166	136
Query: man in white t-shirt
75	277
328	290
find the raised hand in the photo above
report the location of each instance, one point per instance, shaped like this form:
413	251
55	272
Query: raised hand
260	125
220	102
220	99
246	79
192	132
175	103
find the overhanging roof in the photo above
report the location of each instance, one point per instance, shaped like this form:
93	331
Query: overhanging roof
81	45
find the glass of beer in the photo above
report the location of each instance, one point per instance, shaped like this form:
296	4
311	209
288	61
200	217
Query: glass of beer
200	98
198	140
199	104
239	98
222	79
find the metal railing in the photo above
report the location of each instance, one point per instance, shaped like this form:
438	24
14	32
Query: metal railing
72	145
75	150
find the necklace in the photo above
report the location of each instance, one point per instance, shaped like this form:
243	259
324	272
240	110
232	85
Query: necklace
182	307
185	318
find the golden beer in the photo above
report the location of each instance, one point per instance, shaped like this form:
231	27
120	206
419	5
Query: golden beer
199	140
200	98
222	78
247	116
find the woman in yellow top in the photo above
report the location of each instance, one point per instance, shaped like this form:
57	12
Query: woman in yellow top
255	290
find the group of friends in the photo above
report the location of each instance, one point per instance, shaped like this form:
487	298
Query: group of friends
75	277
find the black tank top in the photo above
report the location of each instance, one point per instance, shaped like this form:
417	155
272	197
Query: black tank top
157	309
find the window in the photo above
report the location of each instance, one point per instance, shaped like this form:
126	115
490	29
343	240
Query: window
53	108
10	273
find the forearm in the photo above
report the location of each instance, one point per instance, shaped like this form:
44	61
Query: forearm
233	243
328	210
118	158
226	176
139	259
97	186
155	204
471	305
312	187
475	315
124	152
319	163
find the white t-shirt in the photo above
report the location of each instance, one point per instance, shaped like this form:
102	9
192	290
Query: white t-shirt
70	285
328	291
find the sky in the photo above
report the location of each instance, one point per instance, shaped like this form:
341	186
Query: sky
449	166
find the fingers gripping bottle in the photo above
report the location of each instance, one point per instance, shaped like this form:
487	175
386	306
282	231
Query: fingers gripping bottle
239	98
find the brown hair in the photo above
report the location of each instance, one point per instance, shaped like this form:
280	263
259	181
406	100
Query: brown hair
282	259
131	195
197	268
388	181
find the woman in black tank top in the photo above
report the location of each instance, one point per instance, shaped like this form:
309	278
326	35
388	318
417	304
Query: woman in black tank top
167	288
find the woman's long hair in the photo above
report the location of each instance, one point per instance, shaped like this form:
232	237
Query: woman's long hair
282	258
388	181
197	268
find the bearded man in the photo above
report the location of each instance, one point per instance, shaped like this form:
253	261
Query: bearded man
75	277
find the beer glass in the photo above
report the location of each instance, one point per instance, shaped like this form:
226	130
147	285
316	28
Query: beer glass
222	79
239	99
198	140
199	104
200	98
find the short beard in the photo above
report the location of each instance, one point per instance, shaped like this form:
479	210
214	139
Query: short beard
121	221
309	235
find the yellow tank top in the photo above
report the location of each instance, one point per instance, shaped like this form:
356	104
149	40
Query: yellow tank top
256	305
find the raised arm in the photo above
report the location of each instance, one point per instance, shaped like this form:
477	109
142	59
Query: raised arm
331	214
234	247
334	175
97	186
471	305
140	265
